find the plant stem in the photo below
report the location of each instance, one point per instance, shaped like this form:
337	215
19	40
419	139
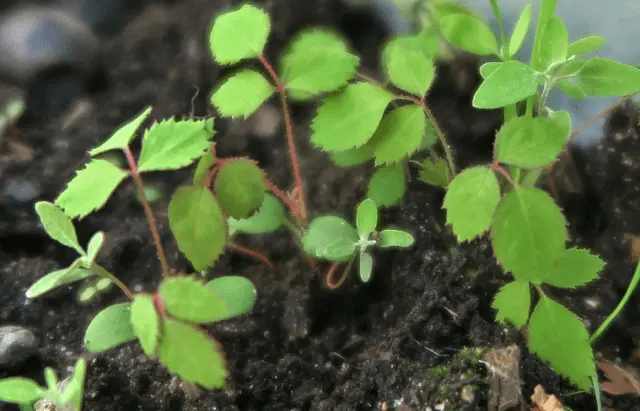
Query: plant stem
293	207
297	175
133	168
252	253
504	173
103	272
332	272
546	12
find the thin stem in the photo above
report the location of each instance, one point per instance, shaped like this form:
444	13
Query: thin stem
252	253
133	169
332	272
293	207
504	173
103	272
441	137
369	79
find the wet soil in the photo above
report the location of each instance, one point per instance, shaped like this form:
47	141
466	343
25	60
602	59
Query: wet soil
409	340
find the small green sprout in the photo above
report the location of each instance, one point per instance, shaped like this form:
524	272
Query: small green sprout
11	113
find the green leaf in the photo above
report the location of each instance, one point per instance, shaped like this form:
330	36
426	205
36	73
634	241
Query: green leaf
94	247
237	294
123	136
197	222
471	201
509	83
18	390
571	89
547	10
145	323
58	225
90	189
325	230
240	187
574	268
242	94
513	303
354	156
349	119
110	328
435	171
189	299
528	233
470	34
520	30
559	337
601	77
387	185
555	40
58	278
74	392
400	134
529	142
171	144
340	250
365	267
569	68
487	68
317	61
396	239
202	169
204	365
239	34
585	45
269	217
409	69
426	42
367	217
563	121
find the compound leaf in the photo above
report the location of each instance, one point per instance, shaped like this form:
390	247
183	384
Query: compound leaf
529	142
189	299
387	185
145	323
242	94
57	279
470	201
123	136
237	294
400	134
239	34
508	83
18	390
240	187
469	33
409	69
513	303
365	267
367	217
520	30
58	225
555	38
396	239
199	225
574	268
585	45
601	77
110	328
324	231
269	217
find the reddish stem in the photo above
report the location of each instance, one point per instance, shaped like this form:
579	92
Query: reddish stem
331	284
504	173
293	207
254	254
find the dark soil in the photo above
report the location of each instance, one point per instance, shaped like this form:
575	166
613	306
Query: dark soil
396	342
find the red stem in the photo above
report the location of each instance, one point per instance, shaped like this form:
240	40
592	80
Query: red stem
293	207
504	173
332	272
252	253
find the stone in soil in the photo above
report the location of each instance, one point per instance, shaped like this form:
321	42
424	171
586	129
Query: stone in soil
17	344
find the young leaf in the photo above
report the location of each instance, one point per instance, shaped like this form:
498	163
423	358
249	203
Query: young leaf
555	39
202	169
90	189
435	171
528	233
18	390
410	70
191	300
240	187
123	136
242	94
585	45
171	144
349	119
396	239
470	34
529	142
237	294
58	225
354	156
340	250
547	10
365	267
470	201
520	30
94	247
204	365
574	268
269	217
74	392
513	303
367	217
400	134
387	185
110	328
197	222
509	83
239	34
325	230
145	323
317	61
601	77
559	337
56	279
571	89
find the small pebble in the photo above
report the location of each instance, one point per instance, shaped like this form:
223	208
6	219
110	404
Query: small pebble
467	394
17	344
21	191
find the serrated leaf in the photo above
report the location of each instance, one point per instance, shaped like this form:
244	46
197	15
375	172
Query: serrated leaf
325	230
508	83
555	39
469	33
559	337
93	248
425	42
57	279
317	61
123	136
410	70
585	45
202	169
528	233
202	364
145	323
58	225
354	156
189	299
240	187
18	390
365	267
513	303
90	189
470	201
110	328
520	30
349	119
172	144
387	185
435	172
571	89
242	94
239	34
601	77
574	268
199	225
529	142
400	134
367	217
269	217
237	294
396	239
